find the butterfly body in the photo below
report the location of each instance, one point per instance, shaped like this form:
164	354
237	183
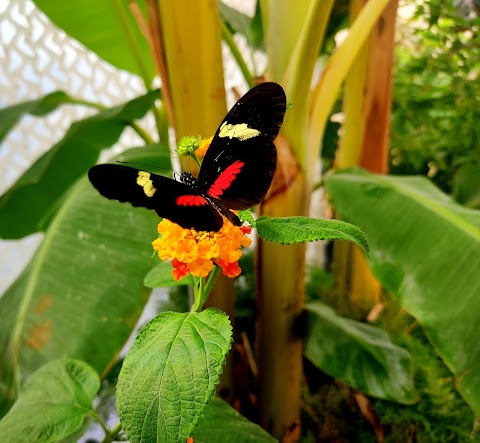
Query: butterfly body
236	172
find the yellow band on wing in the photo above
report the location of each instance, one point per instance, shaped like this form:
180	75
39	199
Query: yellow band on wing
241	131
144	181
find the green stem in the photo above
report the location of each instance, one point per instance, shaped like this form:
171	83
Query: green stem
211	281
197	293
318	185
144	135
79	101
99	420
236	54
202	290
112	435
161	120
194	156
135	126
158	123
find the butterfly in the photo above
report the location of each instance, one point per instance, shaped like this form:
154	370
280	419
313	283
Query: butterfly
235	174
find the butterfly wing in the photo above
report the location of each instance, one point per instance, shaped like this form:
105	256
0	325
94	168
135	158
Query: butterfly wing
168	198
235	174
241	160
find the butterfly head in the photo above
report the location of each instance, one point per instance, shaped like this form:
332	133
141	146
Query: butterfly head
187	178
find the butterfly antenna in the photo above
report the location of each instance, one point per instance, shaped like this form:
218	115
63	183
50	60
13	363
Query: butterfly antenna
150	166
141	164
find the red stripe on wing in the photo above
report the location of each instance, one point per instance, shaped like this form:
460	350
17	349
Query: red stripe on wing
225	179
191	200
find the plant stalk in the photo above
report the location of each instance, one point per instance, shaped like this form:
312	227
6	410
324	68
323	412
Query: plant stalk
280	297
228	38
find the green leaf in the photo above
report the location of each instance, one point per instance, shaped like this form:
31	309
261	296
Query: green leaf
220	421
10	303
247	216
85	282
112	32
161	277
25	207
53	404
290	230
358	354
42	106
238	22
170	373
257	36
426	251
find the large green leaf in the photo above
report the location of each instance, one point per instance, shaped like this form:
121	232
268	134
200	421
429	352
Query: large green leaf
425	250
220	422
170	373
25	207
83	291
107	28
10	303
358	354
42	106
53	404
292	230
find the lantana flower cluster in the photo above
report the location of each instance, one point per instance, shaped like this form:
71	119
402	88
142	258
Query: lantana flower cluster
196	252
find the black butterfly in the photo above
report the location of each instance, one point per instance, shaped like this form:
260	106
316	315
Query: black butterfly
235	174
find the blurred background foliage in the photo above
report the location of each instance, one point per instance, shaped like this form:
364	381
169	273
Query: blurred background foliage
436	113
435	110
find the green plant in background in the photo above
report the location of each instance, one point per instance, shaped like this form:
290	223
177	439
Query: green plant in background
87	310
407	219
435	127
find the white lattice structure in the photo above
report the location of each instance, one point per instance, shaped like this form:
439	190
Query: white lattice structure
38	58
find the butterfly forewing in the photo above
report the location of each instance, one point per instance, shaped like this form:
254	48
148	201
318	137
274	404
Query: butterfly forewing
241	160
235	174
262	108
162	194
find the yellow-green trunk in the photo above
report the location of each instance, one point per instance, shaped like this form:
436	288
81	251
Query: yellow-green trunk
367	103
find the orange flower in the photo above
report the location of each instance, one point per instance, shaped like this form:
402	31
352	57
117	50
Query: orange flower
196	252
202	149
229	269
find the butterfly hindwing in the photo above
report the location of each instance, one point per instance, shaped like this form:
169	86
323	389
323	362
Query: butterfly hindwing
241	160
169	198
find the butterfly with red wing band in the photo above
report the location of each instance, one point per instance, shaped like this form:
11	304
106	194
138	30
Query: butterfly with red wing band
235	174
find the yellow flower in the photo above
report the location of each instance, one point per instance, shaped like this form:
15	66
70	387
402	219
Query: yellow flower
196	252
